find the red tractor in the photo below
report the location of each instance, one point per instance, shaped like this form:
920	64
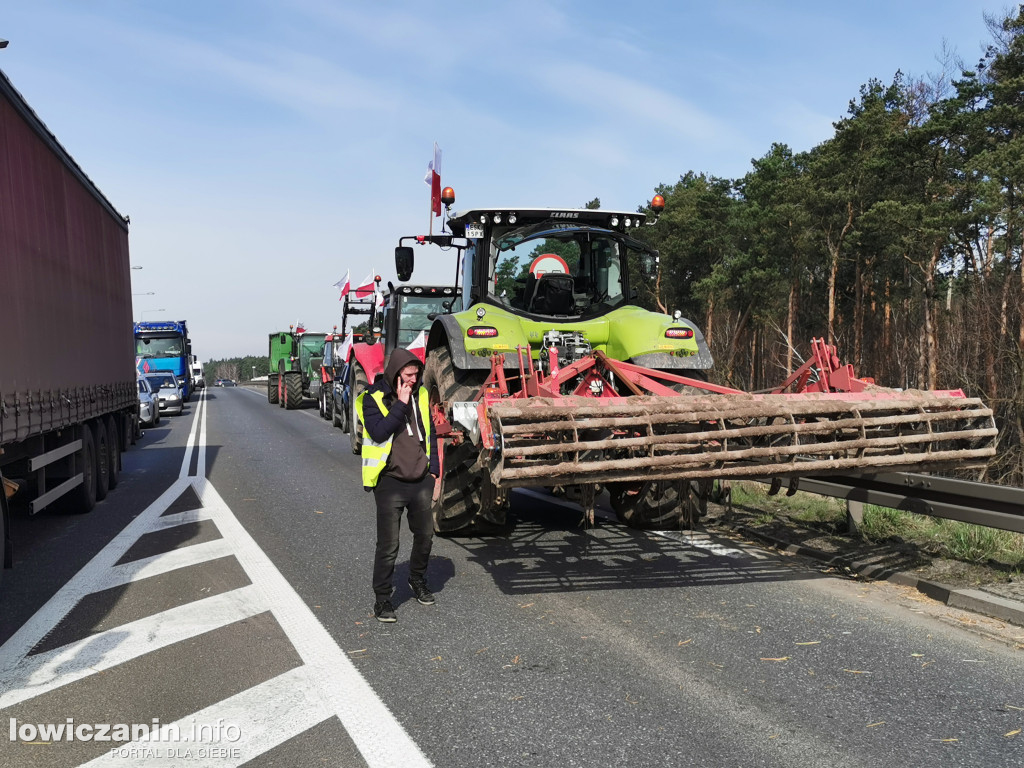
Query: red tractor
396	317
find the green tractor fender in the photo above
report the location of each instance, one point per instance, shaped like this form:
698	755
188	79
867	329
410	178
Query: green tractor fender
642	337
448	330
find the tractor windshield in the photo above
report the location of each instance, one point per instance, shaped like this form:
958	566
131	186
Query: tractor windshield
416	315
556	269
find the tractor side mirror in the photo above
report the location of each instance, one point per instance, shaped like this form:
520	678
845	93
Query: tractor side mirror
649	264
403	262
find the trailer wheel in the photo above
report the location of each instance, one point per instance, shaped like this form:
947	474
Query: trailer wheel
461	502
114	439
355	432
83	498
292	390
272	388
102	459
657	504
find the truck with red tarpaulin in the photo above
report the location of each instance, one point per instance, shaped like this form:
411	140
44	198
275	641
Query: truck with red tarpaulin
68	390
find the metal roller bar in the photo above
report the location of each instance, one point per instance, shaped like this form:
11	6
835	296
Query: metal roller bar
706	466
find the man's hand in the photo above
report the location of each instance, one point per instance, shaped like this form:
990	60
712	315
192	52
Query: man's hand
404	390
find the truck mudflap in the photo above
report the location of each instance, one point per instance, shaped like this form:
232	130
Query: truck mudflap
620	423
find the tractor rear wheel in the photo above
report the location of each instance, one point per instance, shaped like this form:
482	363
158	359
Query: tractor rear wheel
657	504
272	388
355	432
292	390
463	499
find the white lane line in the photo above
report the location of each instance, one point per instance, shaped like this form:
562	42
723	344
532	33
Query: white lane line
371	726
165	563
201	464
44	672
87	580
265	716
183	472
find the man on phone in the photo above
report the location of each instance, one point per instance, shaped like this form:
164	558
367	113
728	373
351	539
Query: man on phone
399	466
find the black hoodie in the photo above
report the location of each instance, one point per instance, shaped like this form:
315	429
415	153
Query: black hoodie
408	458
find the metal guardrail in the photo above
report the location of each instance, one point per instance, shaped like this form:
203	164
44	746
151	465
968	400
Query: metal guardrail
993	506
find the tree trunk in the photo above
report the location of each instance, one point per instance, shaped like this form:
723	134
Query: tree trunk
834	250
708	321
858	319
931	342
790	320
833	270
734	347
887	323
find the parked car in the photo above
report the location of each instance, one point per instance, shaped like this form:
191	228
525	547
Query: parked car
168	392
149	406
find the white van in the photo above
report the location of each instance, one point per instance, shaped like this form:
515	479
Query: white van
197	375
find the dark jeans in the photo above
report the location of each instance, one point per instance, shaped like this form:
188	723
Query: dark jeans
392	497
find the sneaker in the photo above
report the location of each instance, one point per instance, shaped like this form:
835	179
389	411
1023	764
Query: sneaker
420	591
384	611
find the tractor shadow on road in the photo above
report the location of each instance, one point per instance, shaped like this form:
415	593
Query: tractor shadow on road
547	550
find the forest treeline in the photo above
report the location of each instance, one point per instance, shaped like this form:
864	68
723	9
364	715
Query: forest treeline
899	239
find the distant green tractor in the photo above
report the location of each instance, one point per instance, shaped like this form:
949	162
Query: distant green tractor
295	358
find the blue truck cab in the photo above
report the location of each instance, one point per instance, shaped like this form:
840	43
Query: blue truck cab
165	346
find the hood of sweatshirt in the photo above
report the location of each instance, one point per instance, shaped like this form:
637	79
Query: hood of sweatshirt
398	360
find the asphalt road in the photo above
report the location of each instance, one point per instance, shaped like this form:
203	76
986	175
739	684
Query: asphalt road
225	584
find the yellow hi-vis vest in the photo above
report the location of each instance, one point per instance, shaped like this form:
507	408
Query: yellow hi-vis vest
375	455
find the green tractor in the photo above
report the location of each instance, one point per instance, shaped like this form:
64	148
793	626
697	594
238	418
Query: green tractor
577	296
295	358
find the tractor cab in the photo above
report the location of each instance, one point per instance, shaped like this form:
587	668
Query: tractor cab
542	262
410	310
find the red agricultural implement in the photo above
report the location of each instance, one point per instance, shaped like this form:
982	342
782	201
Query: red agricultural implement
599	421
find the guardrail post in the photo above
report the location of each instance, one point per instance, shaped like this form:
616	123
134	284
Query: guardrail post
854	515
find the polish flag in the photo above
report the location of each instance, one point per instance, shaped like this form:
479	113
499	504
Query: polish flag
346	348
344	285
299	327
366	287
433	179
419	346
378	300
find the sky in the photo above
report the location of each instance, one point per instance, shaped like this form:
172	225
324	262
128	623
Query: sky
263	148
